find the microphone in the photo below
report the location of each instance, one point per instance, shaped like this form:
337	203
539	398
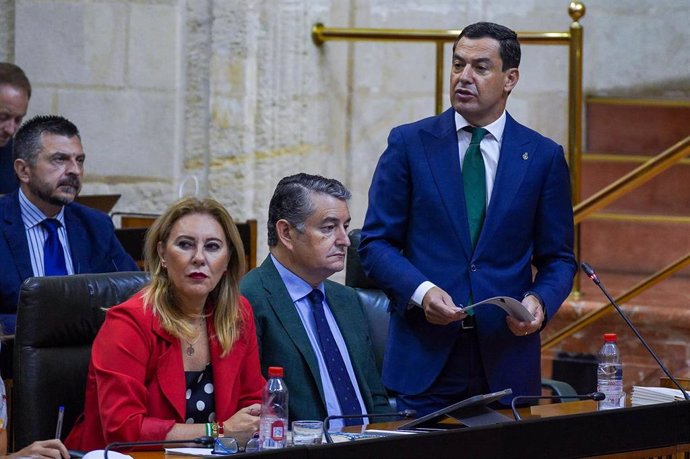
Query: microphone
204	441
596	396
400	414
592	275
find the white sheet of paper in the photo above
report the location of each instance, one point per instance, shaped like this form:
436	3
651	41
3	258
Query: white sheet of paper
510	305
98	454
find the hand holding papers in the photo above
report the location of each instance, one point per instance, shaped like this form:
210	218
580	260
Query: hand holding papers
510	305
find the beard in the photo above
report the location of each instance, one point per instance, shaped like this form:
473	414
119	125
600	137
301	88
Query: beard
47	192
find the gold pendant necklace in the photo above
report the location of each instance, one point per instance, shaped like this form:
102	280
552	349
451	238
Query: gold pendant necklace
190	345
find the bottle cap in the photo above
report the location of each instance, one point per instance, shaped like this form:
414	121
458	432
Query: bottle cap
610	337
277	372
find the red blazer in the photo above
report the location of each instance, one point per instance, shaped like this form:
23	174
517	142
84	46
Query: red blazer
135	389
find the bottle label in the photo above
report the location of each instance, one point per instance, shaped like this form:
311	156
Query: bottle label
613	389
278	430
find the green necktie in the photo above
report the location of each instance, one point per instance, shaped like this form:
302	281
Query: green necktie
474	182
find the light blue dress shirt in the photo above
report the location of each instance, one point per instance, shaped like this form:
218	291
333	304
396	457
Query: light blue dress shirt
298	290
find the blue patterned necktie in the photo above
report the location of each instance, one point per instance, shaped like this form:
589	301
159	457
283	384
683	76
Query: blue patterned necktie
345	391
53	255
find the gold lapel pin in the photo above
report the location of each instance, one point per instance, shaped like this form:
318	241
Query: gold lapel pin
525	156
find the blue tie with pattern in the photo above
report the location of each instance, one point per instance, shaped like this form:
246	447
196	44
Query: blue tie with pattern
345	391
53	255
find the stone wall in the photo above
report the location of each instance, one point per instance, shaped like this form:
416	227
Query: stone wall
236	94
7	30
112	68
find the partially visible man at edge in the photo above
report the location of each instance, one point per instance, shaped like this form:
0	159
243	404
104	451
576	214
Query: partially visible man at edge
49	162
15	92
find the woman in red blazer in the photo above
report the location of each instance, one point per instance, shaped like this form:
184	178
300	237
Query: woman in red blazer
179	360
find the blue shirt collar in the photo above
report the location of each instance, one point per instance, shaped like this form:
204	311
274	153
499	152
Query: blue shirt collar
297	287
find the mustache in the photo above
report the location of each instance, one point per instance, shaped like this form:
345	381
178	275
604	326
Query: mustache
70	181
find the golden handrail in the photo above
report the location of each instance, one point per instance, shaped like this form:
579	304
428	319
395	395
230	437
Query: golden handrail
603	198
600	312
632	180
573	39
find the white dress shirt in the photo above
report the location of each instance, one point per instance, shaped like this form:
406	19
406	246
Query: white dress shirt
490	147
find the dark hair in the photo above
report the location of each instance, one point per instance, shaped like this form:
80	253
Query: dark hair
292	201
13	75
507	39
28	142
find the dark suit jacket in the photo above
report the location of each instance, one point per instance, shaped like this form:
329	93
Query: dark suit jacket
135	389
416	230
93	246
8	179
284	342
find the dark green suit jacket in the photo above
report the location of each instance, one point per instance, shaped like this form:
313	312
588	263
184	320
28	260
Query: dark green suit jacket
283	342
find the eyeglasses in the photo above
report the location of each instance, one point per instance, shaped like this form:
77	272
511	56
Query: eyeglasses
225	445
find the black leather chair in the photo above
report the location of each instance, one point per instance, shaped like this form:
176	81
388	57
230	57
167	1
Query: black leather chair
376	305
57	320
375	301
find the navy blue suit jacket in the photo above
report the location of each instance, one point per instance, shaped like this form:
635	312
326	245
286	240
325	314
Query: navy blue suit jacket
8	179
93	245
416	230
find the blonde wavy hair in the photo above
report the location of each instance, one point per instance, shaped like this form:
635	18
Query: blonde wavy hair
225	297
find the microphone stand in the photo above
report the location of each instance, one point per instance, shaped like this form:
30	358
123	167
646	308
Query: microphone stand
593	396
326	422
592	275
204	441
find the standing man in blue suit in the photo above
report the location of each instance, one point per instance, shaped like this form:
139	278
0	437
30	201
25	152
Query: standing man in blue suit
49	162
427	242
323	343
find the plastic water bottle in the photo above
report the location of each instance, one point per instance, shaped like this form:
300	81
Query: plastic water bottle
610	373
273	425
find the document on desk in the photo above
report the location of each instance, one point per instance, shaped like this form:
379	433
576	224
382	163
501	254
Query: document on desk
510	305
197	452
100	454
340	437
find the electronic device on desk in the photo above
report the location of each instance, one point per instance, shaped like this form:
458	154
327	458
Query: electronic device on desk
471	412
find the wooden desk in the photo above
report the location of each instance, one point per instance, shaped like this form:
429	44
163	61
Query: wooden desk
639	432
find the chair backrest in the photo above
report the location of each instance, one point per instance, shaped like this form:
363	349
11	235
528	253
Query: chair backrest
57	320
375	301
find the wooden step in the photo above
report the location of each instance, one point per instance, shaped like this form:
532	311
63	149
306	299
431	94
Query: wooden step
649	227
628	241
635	126
633	247
666	194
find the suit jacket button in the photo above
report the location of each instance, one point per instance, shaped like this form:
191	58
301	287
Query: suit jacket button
473	268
